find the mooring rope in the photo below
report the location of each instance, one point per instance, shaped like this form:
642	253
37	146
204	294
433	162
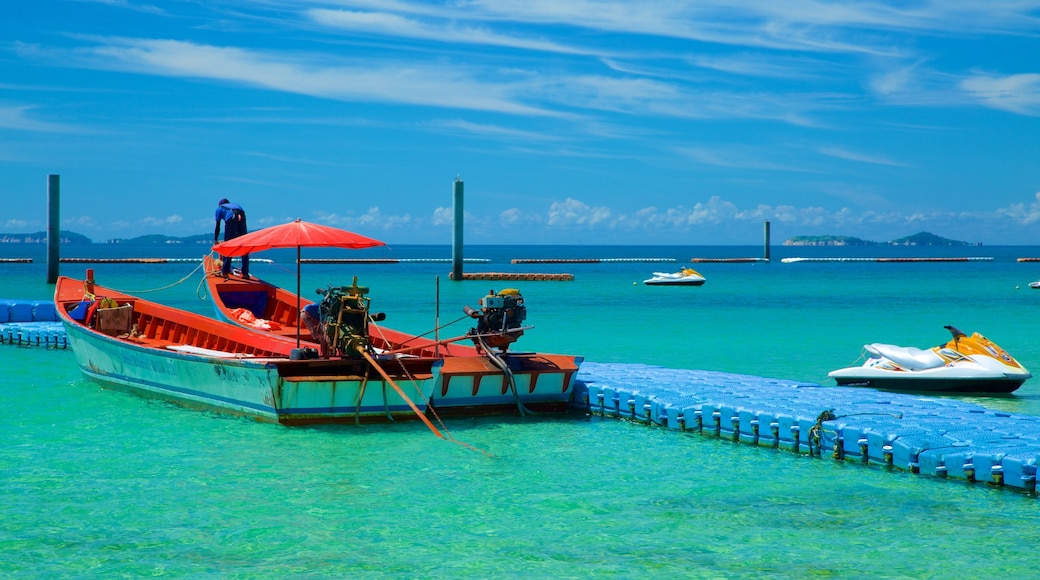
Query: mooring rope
167	287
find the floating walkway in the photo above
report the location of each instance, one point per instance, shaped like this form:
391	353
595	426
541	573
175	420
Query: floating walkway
588	260
938	437
31	323
973	259
515	276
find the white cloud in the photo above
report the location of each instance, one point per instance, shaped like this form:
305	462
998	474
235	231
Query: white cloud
16	224
843	153
571	212
443	216
171	220
517	217
447	31
715	220
414	83
18	118
1022	213
1018	93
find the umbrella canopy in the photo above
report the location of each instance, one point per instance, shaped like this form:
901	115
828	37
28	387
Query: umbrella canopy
297	234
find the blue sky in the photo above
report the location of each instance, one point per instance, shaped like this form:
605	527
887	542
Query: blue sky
569	121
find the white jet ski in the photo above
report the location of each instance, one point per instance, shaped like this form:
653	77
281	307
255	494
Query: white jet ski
684	277
965	364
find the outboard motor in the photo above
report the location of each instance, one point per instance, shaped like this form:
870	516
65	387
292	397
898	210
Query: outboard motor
340	321
499	319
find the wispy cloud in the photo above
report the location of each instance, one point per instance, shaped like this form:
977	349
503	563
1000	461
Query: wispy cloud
351	79
1018	93
842	153
18	118
808	25
127	4
740	157
386	23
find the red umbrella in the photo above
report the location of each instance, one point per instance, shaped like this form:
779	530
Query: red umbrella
297	234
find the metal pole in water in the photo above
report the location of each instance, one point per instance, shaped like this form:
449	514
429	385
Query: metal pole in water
766	256
456	241
437	318
53	227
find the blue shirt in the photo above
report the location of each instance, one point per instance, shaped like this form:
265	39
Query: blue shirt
225	211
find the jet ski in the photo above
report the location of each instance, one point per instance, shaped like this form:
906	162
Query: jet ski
684	277
965	364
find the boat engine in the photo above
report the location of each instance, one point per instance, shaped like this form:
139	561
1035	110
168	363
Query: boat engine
340	324
498	320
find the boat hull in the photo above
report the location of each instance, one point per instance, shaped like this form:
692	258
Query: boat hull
653	282
944	379
474	386
167	363
934	385
468	383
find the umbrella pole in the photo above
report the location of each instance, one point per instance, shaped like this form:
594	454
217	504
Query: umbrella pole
299	315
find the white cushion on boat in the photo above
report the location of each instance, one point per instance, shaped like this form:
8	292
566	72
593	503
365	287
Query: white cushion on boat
187	348
908	357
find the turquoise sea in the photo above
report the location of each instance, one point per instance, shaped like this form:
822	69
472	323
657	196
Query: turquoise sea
105	484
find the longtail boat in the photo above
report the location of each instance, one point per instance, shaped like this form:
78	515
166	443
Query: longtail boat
128	343
478	376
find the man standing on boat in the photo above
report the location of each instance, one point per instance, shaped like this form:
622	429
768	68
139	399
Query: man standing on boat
234	218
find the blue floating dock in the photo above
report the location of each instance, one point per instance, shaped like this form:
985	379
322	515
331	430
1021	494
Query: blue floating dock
931	436
31	323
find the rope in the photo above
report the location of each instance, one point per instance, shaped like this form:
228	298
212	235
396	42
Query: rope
441	327
415	409
501	364
167	287
429	407
816	432
200	290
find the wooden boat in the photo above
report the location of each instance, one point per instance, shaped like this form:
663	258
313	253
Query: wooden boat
472	381
128	343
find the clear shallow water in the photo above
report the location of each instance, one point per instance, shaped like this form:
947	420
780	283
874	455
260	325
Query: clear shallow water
105	484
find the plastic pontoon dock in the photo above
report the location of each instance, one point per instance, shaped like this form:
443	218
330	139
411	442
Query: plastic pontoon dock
31	323
927	435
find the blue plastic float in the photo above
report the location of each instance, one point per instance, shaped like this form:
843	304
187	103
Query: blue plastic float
31	323
926	435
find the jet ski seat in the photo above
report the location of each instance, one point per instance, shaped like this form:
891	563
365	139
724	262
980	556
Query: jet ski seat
908	357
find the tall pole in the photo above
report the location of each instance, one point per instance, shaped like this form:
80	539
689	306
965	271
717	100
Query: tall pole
53	227
766	256
456	241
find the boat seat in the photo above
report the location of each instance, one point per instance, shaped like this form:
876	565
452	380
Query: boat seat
253	300
115	321
908	357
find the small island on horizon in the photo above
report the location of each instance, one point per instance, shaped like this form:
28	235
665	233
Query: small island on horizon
918	239
68	237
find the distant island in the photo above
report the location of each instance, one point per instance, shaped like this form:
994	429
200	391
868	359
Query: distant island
68	237
918	239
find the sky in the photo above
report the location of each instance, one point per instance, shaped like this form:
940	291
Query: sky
568	121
